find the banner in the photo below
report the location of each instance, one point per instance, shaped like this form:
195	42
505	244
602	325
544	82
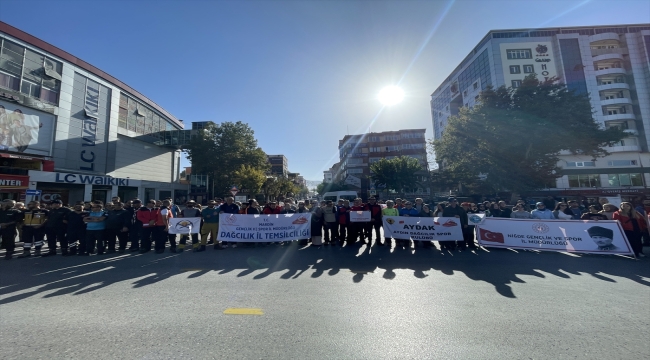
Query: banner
186	226
586	236
359	216
422	228
475	219
264	228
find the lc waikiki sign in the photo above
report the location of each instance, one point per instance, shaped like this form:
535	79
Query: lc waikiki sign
68	178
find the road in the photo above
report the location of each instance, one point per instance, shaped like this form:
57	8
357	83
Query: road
327	303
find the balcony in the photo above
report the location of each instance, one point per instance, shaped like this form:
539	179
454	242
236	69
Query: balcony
614	86
611	56
619	50
604	36
619	117
623	148
631	132
616	101
610	71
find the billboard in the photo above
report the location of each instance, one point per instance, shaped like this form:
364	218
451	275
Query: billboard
25	130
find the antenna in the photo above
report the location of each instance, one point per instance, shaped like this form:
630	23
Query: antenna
348	128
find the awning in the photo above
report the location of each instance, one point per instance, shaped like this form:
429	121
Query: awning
14	156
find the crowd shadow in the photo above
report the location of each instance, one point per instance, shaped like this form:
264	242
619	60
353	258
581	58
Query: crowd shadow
56	276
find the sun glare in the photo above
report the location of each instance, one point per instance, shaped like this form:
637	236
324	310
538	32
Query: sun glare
391	95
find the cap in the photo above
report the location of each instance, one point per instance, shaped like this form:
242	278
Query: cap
539	203
57	202
451	199
601	231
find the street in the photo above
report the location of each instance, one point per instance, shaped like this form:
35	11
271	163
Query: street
336	303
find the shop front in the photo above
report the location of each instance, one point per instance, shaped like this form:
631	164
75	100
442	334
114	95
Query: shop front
12	187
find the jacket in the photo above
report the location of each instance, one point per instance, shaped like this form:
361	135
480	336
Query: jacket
329	214
451	211
146	215
409	212
116	219
375	211
267	210
545	214
342	215
626	222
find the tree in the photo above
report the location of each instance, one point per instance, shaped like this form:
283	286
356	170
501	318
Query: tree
221	150
513	137
249	178
276	187
324	187
399	174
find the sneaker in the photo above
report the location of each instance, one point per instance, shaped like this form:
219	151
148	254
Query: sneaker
172	249
202	248
37	252
8	256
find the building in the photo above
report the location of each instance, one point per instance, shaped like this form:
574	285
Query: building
75	132
328	176
610	63
357	152
279	165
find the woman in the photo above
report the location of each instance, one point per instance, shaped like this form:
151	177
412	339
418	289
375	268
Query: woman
520	213
633	225
609	210
426	211
481	209
493	210
439	209
561	212
251	208
593	214
316	225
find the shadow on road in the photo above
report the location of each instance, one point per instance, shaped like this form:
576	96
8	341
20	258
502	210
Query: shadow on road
23	278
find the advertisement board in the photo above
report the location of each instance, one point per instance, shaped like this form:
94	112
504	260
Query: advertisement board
25	130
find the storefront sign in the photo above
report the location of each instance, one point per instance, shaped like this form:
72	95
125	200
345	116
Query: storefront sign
68	178
13	182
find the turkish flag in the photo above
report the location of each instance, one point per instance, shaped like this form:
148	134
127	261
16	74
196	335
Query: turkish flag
487	235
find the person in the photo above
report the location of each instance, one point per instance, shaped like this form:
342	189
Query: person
287	209
148	216
252	208
117	216
409	211
561	213
174	211
357	229
480	209
609	210
161	229
343	219
390	210
191	211
468	231
210	216
633	225
520	212
453	210
541	212
33	232
427	212
76	228
95	226
133	225
330	221
398	204
419	203
593	214
574	210
242	207
603	237
375	220
55	228
9	217
317	217
229	207
550	202
493	210
271	208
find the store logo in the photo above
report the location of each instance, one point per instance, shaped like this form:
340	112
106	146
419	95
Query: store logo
541	50
90	179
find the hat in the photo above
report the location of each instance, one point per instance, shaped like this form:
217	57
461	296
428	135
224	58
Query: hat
465	204
451	199
57	202
539	203
600	231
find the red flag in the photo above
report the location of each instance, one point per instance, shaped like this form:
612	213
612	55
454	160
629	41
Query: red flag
487	235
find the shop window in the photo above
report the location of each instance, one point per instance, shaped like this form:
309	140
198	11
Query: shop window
584	180
625	179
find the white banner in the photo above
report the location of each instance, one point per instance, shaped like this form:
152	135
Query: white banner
423	228
359	216
475	219
191	225
586	236
264	228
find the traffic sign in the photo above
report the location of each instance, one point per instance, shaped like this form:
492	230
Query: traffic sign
33	192
234	190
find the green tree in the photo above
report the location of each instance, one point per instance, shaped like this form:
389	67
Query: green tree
513	137
324	187
221	150
399	174
276	187
250	178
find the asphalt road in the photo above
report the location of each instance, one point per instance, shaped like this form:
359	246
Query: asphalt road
328	303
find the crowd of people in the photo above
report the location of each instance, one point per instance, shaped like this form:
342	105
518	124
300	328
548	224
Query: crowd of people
96	228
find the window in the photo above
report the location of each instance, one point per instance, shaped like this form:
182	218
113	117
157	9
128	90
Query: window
391	137
355	171
529	69
580	163
612	112
392	148
584	180
475	85
622	163
412	146
465	93
373	138
515	69
375	149
373	160
519	54
516	84
9	82
625	179
412	136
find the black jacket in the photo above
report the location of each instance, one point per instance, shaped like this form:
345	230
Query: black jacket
453	211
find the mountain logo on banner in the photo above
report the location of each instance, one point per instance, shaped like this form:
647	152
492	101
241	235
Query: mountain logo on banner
300	220
183	225
390	221
450	223
487	235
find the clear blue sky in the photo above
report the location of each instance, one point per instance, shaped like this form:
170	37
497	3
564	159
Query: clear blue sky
301	73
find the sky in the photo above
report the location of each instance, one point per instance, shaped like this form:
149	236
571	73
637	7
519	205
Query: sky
302	74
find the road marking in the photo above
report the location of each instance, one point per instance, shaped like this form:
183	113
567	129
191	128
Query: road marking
243	311
193	269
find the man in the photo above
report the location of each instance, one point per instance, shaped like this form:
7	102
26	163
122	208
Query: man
343	219
190	211
504	210
603	237
9	217
331	225
55	228
287	209
409	211
161	229
541	212
453	210
117	216
357	228
228	208
468	231
133	225
576	211
418	204
95	226
148	216
33	232
376	220
390	210
549	202
210	226
76	228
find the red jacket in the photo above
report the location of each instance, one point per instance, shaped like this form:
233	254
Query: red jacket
626	221
268	210
146	215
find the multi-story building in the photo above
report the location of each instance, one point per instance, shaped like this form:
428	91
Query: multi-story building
279	165
357	152
75	132
610	63
328	176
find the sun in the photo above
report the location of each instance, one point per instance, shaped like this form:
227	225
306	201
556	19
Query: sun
391	95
